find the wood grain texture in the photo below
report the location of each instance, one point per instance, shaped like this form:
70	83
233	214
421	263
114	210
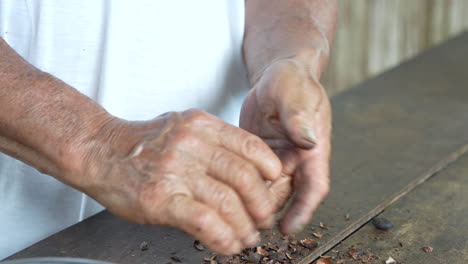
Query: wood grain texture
434	214
441	165
387	133
375	35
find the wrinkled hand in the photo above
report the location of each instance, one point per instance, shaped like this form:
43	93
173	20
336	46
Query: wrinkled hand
188	170
290	111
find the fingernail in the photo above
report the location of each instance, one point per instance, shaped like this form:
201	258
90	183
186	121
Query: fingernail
283	178
253	239
309	135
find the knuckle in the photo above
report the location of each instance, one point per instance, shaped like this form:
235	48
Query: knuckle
251	146
245	178
183	135
217	157
298	113
299	117
304	113
195	114
184	138
227	202
248	188
160	198
241	172
192	111
169	115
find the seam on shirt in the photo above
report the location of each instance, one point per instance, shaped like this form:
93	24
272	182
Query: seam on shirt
103	52
32	26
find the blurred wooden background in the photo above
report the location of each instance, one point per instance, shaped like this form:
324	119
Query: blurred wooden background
375	35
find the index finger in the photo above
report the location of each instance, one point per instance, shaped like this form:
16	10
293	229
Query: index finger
253	149
203	223
311	184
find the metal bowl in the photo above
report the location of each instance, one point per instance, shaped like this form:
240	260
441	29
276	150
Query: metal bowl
54	261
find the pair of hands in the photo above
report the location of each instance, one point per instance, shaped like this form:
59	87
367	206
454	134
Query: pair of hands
215	181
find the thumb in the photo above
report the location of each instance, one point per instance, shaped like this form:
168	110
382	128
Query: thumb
280	190
298	111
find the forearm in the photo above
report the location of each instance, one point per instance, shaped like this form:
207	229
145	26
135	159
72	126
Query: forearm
299	29
43	121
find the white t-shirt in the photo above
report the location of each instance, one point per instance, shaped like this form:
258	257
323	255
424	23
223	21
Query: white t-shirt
138	59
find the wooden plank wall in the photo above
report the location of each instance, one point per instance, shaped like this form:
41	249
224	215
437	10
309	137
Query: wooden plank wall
375	35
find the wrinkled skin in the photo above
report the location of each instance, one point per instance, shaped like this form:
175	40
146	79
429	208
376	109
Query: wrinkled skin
217	182
283	106
188	170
